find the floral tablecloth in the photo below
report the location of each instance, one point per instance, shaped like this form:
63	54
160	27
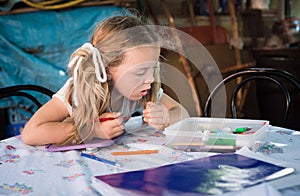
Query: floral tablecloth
28	170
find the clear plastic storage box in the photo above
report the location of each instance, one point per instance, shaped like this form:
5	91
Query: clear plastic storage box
216	134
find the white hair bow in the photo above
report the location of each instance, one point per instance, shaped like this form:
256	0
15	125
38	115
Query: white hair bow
98	63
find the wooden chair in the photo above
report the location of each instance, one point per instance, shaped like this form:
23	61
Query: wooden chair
286	82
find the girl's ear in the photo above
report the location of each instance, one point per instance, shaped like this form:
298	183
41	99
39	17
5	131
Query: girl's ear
109	77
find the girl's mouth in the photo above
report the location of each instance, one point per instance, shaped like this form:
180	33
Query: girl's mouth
144	93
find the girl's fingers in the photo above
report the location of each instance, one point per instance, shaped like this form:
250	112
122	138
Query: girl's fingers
156	115
113	122
153	107
155	110
111	127
113	132
156	121
116	132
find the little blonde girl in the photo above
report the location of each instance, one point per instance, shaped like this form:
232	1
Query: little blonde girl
118	69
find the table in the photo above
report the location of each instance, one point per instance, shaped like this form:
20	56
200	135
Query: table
30	170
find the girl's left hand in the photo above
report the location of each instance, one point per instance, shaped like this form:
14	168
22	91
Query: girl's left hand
156	115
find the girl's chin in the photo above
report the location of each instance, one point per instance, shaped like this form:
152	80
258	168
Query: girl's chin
136	97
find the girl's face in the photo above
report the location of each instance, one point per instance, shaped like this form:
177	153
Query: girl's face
133	78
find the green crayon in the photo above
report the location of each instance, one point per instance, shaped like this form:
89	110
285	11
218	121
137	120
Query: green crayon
241	130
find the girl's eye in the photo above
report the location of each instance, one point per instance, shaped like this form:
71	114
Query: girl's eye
141	72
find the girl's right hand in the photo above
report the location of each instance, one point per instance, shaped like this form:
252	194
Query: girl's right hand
110	125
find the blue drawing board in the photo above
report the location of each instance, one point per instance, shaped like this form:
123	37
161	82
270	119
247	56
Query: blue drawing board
212	175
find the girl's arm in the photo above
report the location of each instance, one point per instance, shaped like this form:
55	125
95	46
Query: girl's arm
46	125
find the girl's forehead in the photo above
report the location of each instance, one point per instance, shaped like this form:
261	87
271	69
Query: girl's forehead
140	55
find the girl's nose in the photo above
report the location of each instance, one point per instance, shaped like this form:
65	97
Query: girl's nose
149	79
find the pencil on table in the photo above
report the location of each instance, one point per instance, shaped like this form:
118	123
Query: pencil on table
90	156
134	152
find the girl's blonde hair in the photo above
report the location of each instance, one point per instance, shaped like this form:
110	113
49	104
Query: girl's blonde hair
112	38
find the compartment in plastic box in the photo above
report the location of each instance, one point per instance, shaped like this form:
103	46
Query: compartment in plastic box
216	134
